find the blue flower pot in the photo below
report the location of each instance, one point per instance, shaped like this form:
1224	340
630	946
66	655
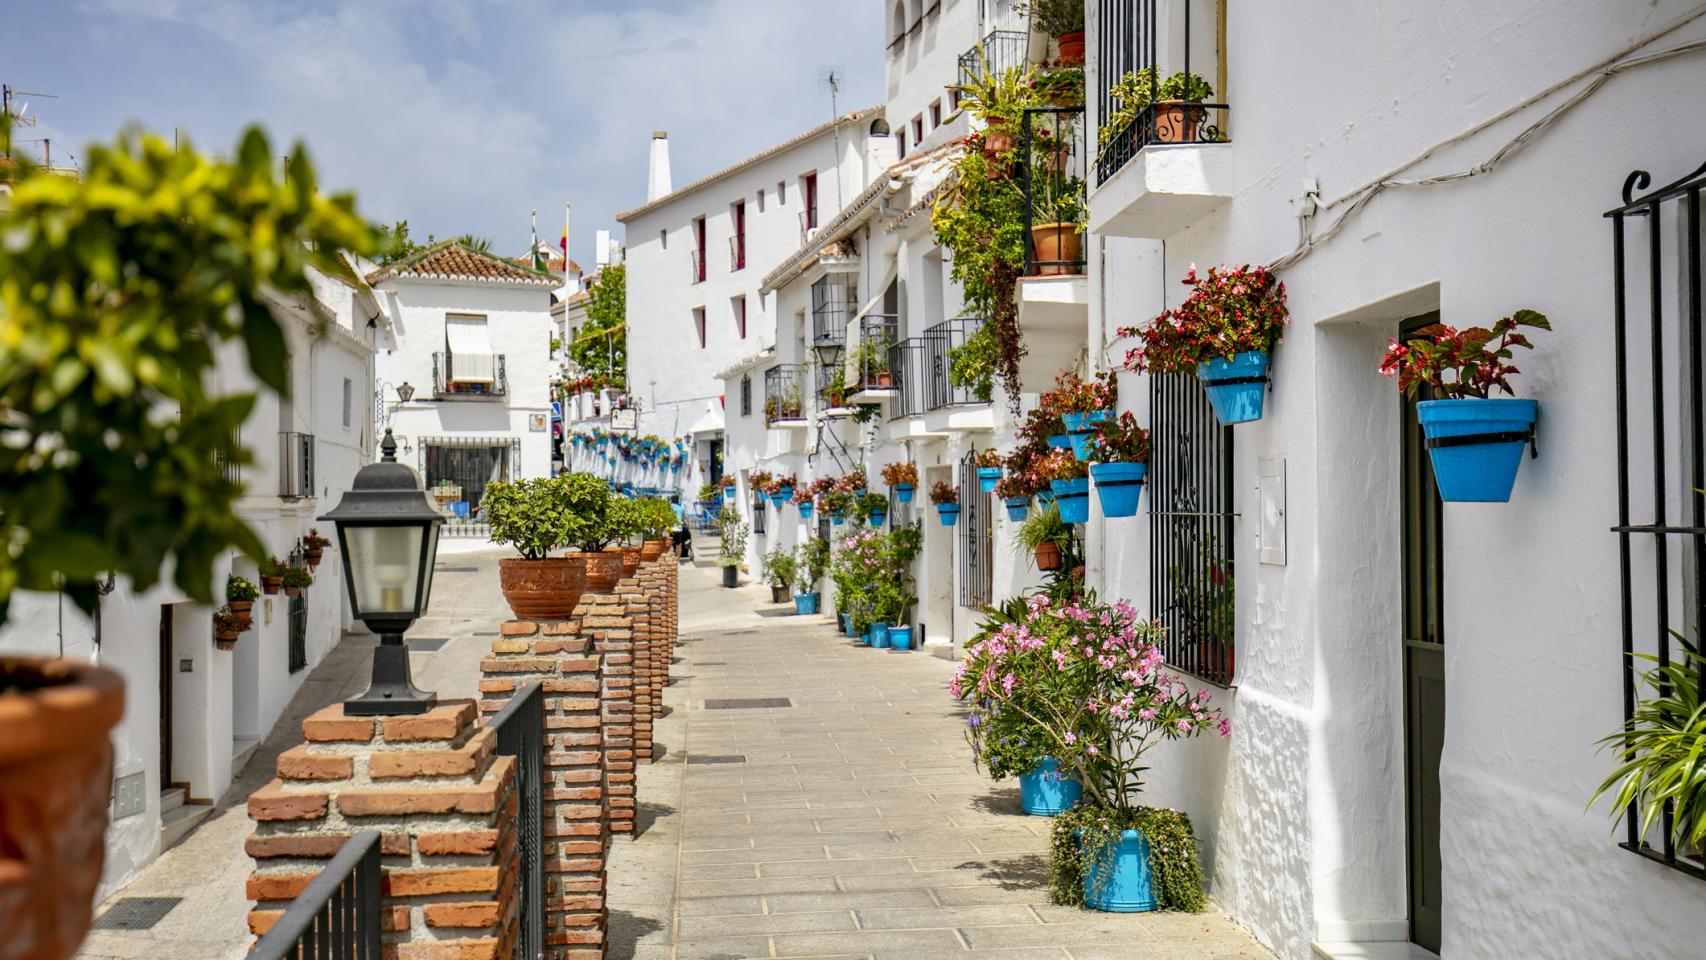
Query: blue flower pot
776	500
1061	440
805	603
837	517
806	510
948	513
987	478
878	636
1481	445
1045	497
859	492
1119	485
903	492
1117	880
1017	507
1080	427
1236	387
878	517
1045	792
900	638
847	624
1074	499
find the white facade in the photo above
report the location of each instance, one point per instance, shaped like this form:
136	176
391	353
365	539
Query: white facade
223	702
472	335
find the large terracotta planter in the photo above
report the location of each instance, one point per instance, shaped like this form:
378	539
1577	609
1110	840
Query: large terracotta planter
1176	121
1048	557
652	549
1058	246
630	560
543	589
603	570
56	769
1071	48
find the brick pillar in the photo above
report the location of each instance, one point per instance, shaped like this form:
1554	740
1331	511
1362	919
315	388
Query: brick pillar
633	592
604	619
446	810
576	835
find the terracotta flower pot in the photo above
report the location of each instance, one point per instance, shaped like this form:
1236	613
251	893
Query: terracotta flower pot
543	589
293	591
652	549
1071	48
240	606
602	571
225	639
1057	245
270	585
885	380
996	142
56	768
630	561
313	556
1176	121
1048	557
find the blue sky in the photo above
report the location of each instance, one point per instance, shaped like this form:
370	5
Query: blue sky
460	115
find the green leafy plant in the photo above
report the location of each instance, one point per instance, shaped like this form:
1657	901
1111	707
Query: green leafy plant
297	576
733	531
780	567
240	589
1119	440
601	349
1044	526
710	493
1053	17
870	503
656	518
835	386
624	519
814	562
892	602
1474	363
1074	394
971	365
899	472
1663	750
944	492
225	620
838	501
271	567
119	288
1229	311
525	514
1184	86
1061	85
313	541
1132	93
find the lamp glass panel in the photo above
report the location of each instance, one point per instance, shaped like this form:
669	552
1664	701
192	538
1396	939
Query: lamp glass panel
430	559
385	566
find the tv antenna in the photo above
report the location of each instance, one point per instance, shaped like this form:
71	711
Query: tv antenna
833	79
18	112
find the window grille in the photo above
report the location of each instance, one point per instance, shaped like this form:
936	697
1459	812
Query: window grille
456	471
298	633
746	396
759	500
977	540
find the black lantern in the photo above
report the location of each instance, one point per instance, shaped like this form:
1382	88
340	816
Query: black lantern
405	393
388	531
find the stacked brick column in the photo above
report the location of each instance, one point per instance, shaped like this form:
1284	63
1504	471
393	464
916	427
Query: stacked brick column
446	810
634	592
576	834
603	619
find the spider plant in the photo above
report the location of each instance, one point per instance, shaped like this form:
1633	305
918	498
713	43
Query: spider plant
1663	749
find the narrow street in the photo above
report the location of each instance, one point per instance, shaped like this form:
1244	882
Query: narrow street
844	819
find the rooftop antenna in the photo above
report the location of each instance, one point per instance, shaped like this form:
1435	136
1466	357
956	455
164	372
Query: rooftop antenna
10	107
833	78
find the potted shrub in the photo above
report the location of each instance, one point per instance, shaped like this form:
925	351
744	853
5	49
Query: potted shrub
853	482
780	569
240	594
1089	676
988	462
657	522
1178	114
894	603
1046	536
1118	451
1069	479
623	524
870	507
583	502
1061	19
835	388
1015	496
837	502
526	515
272	575
780	489
731	550
1057	228
803	501
999	99
709	492
872	359
808	572
1005	741
902	478
1474	440
1223	332
1061	84
1661	770
314	547
228	625
1082	404
297	578
947	501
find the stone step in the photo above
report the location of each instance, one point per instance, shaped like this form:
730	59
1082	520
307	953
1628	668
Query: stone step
175	824
172	798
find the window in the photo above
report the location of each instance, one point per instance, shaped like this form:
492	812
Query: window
810	187
737	306
900	144
954	98
299	633
663	238
760	199
935	114
348	398
781	193
737	243
470	363
746	396
699	250
457	470
977	539
918	129
699	325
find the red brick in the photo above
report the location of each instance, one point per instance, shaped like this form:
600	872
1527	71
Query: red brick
459	842
329	725
298	764
271	802
443	722
497	686
484	913
518	628
394	919
294	845
277	886
425	881
484	948
518	665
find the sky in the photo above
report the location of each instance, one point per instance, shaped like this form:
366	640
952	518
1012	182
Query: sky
461	116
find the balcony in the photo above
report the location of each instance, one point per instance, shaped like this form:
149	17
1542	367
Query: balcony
949	407
464	376
997	52
873	382
295	465
1053	297
1163	161
784	397
832	308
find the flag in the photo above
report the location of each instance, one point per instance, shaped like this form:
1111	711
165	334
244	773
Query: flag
538	264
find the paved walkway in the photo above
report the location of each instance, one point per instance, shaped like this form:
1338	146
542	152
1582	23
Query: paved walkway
849	823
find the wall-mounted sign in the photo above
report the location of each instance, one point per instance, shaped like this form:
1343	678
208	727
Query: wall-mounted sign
538	422
624	419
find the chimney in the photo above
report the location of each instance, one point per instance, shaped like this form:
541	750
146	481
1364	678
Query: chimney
657	179
601	248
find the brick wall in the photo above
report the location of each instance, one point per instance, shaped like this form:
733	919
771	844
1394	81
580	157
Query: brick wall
603	619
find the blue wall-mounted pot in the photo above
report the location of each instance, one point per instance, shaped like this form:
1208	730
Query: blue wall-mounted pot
987	478
948	513
1476	446
1236	387
1074	499
903	492
1017	507
1119	485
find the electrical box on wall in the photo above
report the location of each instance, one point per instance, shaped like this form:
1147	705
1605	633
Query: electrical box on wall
129	798
1270	505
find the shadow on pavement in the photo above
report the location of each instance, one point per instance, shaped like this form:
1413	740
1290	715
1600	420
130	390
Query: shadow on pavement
1000	800
627	929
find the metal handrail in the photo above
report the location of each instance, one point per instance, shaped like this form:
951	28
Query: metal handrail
337	914
444	379
520	728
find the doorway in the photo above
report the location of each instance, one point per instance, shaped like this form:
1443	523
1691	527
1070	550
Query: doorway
167	668
1424	669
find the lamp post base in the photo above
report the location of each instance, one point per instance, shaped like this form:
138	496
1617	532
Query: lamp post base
391	693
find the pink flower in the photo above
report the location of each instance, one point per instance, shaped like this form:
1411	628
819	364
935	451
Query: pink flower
1225	727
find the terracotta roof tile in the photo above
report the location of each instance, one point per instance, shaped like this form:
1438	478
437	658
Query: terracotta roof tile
450	260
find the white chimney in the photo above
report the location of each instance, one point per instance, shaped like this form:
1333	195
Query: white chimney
601	248
657	180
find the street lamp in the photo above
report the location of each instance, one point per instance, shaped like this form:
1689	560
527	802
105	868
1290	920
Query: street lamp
388	531
405	393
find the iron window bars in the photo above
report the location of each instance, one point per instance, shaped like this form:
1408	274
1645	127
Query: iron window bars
445	385
746	396
298	633
295	465
939	341
1130	39
784	393
520	734
759	500
1190	530
1002	50
907	366
1052	157
456	471
1674	321
977	539
832	308
877	332
337	914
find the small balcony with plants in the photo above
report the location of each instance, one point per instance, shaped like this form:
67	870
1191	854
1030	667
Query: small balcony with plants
1162	158
469	376
868	365
1053	298
959	364
784	397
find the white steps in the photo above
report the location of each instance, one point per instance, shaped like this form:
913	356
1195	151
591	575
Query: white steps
178	816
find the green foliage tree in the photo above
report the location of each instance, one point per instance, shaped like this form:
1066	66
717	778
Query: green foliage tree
118	290
601	349
394	243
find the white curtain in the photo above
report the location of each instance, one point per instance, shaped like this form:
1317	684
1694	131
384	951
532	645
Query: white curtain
469	349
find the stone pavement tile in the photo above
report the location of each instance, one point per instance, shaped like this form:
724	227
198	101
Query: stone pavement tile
1126	930
874	837
833	868
720	871
700	928
894	848
911	919
874	900
754	855
1018	953
723	949
721	906
764	885
912	942
987	893
908	881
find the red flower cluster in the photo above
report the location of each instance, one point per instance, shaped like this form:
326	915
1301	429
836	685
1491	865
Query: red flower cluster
1073	394
902	472
1438	349
1119	440
1229	311
944	492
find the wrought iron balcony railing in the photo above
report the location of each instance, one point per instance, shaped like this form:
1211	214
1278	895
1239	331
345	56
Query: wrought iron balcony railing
832	306
1132	38
870	366
996	53
908	377
940	341
784	393
1051	170
465	376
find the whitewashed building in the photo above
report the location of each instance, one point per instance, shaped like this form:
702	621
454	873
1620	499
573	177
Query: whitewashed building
471	335
194	713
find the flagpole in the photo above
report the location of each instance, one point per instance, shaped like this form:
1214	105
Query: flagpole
566	241
535	250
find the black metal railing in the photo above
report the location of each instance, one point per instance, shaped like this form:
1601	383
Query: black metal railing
1132	42
520	734
295	465
832	388
336	917
1052	158
1657	239
759	501
784	393
996	53
939	341
467	376
877	333
1190	531
298	640
908	372
977	539
832	307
